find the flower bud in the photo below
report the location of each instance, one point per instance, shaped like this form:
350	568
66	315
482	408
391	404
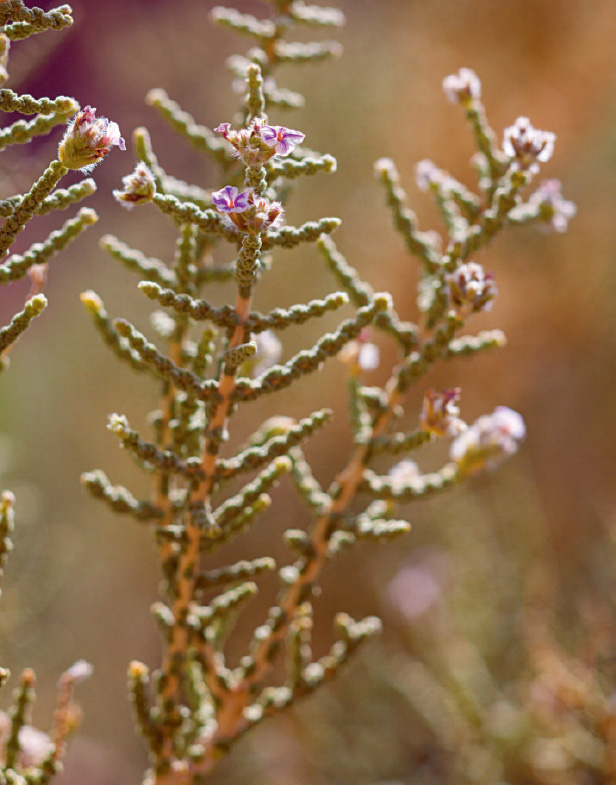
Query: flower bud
471	288
462	87
526	145
440	412
139	187
87	140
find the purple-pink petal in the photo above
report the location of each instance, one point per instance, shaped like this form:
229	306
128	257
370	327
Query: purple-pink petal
294	137
223	129
241	202
282	139
269	134
230	200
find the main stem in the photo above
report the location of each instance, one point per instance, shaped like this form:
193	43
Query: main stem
188	563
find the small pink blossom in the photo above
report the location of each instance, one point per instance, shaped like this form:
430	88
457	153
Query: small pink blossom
462	87
247	143
526	145
224	129
471	288
555	210
488	440
440	412
230	200
282	139
245	211
87	140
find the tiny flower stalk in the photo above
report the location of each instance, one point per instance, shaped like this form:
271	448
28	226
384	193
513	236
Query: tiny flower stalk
216	359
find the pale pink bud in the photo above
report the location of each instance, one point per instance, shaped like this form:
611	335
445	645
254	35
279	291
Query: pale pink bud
139	187
471	288
87	140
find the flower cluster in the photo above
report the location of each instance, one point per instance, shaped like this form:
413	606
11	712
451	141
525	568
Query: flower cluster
526	145
471	288
245	211
488	441
260	142
87	140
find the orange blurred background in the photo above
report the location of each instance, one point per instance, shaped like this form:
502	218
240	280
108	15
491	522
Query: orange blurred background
80	581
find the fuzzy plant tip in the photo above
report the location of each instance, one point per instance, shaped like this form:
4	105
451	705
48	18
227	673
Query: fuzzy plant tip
87	140
139	187
260	142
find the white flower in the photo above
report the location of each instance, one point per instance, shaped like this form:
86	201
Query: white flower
463	86
488	440
526	145
471	287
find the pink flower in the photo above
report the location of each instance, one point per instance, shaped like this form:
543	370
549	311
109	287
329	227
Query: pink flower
527	145
246	212
230	200
471	288
488	440
282	139
258	143
87	140
224	129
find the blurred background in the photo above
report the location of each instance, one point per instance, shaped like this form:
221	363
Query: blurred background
496	662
